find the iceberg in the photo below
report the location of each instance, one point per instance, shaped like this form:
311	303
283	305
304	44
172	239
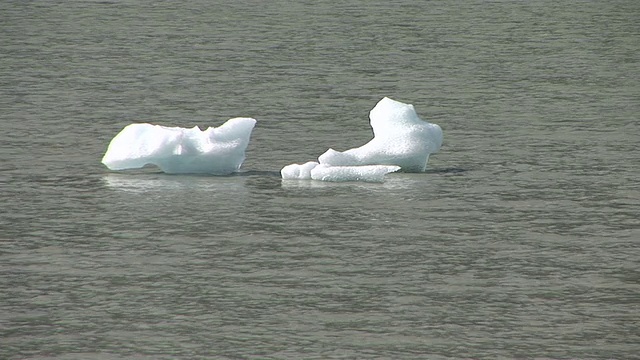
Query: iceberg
175	150
401	141
401	138
315	171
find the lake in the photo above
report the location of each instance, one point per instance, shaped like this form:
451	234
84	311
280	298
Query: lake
521	240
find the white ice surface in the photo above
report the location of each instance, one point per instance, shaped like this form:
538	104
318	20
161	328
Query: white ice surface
314	171
400	138
176	150
297	171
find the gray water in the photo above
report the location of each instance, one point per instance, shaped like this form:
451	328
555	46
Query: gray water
520	241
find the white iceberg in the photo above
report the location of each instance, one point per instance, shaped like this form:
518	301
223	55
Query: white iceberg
401	138
401	141
314	171
175	150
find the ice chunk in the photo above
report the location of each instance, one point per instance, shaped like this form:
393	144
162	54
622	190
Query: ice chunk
369	173
314	171
400	138
174	150
298	172
401	141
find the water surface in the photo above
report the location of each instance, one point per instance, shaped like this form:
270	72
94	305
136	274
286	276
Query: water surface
520	241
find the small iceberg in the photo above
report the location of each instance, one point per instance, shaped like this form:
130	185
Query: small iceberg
400	138
401	141
175	150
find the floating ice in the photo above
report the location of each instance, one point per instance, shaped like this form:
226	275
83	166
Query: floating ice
400	138
174	150
298	172
314	171
369	173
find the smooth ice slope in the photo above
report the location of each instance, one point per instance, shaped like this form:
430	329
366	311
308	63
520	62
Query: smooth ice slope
175	150
314	171
400	138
